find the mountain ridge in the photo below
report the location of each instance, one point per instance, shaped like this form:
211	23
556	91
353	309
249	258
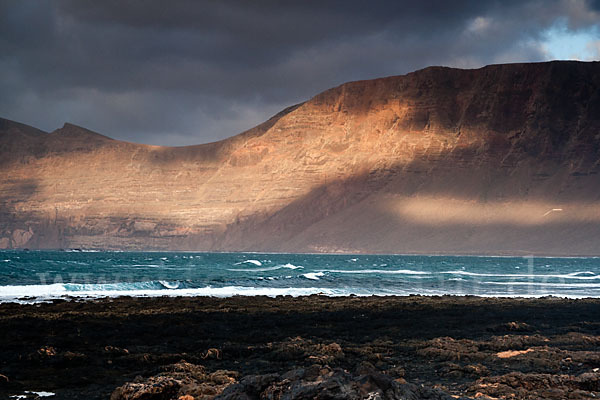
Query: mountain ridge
440	160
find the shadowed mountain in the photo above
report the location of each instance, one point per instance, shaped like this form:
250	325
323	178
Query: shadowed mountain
502	159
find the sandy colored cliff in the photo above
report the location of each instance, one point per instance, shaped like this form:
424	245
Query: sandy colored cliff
498	160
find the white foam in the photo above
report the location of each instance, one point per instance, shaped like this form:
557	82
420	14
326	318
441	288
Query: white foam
313	275
548	284
38	293
170	285
14	292
94	287
255	262
377	271
43	394
291	266
39	394
144	265
587	275
254	269
41	293
274	268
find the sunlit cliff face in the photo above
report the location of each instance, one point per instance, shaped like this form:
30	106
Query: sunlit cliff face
367	166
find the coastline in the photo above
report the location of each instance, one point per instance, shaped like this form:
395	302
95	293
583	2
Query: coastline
506	254
447	345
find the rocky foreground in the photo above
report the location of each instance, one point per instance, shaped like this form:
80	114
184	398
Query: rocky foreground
302	348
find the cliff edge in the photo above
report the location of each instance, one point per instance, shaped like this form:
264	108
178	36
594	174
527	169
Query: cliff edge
498	160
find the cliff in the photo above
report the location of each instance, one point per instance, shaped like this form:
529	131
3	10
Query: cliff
498	160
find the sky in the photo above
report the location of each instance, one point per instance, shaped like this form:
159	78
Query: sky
186	72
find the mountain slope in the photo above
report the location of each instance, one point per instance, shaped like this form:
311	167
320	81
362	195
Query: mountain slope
503	159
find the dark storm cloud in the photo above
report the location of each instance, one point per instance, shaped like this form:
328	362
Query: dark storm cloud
186	71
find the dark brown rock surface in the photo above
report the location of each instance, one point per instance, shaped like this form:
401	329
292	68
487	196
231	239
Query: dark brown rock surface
302	348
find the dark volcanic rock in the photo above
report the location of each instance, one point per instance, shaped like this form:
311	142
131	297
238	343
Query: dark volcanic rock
185	381
177	381
258	347
322	382
539	386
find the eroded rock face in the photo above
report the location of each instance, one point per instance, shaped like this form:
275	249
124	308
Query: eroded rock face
542	371
325	383
176	382
183	381
538	386
493	160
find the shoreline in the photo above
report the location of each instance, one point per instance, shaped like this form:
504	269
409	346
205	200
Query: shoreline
449	345
32	300
522	254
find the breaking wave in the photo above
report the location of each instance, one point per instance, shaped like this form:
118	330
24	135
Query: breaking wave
377	271
37	293
264	269
314	276
587	275
43	275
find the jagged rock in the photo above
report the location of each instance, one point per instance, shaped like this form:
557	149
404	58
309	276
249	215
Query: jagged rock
513	326
514	342
539	386
177	381
315	382
453	370
155	388
116	351
333	384
447	348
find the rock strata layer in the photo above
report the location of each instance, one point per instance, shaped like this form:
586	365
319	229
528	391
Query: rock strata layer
502	159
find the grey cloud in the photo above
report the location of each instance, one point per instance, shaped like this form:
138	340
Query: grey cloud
187	72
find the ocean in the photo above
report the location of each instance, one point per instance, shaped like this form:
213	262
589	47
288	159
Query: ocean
33	276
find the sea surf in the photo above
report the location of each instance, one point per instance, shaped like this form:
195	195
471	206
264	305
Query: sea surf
31	276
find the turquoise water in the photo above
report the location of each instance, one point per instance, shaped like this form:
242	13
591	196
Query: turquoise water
41	275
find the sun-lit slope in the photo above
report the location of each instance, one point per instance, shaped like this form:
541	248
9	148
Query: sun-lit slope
439	160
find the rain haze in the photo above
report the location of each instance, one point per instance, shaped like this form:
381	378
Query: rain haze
189	72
